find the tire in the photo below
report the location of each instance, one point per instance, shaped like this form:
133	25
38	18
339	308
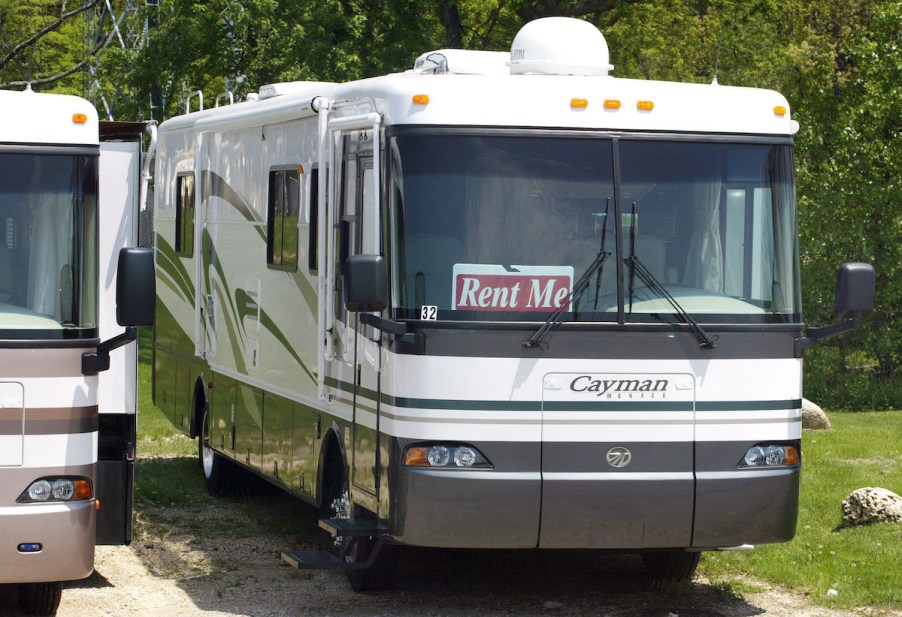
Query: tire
674	566
381	574
214	467
40	598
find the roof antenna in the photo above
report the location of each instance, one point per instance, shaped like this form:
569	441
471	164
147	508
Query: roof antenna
717	56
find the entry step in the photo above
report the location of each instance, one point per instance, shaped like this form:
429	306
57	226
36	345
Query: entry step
348	527
311	560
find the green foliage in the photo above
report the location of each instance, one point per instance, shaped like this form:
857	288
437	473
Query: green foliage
859	562
199	44
53	53
838	63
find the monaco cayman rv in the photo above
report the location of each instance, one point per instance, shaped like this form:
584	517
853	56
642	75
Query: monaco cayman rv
61	455
501	300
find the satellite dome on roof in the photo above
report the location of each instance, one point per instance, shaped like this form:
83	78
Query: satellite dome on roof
559	46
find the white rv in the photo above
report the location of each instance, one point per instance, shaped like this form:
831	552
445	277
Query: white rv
59	258
501	300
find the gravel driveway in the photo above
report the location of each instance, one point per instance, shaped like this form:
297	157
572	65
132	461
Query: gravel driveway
224	560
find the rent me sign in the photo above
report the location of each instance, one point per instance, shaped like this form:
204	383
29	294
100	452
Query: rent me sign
482	287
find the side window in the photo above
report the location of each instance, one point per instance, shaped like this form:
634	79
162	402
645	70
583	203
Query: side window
184	215
282	219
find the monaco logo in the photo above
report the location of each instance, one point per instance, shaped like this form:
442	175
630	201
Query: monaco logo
618	457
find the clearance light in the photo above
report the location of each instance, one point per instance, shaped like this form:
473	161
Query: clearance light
611	104
779	110
645	105
420	99
79	118
56	490
773	455
445	456
579	103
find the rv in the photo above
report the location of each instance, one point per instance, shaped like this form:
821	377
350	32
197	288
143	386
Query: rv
65	464
500	300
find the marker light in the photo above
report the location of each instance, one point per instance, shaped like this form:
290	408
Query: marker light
645	105
773	455
30	547
780	110
56	490
445	456
79	118
420	99
579	103
611	104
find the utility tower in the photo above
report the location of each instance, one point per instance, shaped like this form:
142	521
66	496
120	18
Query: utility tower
115	23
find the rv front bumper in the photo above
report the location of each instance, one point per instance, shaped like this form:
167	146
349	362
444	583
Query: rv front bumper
497	508
47	541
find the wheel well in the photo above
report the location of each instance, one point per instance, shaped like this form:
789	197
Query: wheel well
199	405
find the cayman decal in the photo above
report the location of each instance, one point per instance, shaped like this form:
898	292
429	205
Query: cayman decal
610	387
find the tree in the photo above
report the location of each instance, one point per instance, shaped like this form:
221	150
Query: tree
41	43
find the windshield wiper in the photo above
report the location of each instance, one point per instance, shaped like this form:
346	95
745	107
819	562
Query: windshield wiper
637	268
578	287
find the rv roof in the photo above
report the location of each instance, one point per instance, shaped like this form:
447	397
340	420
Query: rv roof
30	117
556	76
290	87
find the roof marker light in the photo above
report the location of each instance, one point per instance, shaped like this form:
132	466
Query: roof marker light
611	104
79	118
780	110
420	99
579	103
645	105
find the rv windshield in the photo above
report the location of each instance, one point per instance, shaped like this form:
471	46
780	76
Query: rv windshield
48	245
498	227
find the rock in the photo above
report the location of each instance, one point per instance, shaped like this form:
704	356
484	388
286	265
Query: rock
832	593
553	605
813	417
868	505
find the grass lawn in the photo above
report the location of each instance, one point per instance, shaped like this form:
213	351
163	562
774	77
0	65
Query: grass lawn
863	564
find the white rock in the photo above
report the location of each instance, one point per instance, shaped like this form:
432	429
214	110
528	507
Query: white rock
813	417
832	593
868	505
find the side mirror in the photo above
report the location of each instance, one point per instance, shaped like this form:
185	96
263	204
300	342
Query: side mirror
365	284
855	284
135	287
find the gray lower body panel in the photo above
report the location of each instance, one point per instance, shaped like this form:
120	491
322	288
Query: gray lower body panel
573	503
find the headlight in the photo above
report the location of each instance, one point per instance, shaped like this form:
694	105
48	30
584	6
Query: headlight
771	455
57	490
445	456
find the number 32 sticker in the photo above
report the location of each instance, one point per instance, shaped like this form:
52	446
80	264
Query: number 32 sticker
428	312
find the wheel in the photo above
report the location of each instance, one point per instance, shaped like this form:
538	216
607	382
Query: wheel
40	598
214	467
675	566
381	574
